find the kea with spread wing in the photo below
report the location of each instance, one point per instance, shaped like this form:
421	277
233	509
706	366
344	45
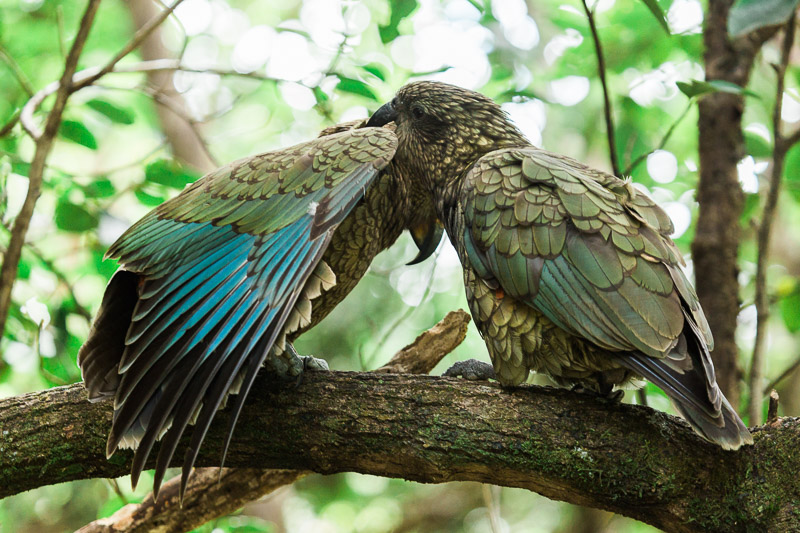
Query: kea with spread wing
217	282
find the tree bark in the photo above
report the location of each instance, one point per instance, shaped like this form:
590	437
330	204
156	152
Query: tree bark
202	505
627	459
721	145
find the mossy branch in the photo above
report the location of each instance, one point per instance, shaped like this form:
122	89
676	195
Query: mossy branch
567	446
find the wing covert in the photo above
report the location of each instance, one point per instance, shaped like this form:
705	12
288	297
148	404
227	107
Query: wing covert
583	247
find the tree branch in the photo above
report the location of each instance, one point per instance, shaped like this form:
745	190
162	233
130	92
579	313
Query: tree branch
567	446
607	110
211	494
8	273
141	34
721	146
215	492
756	401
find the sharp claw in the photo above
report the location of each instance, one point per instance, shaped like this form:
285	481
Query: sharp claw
312	364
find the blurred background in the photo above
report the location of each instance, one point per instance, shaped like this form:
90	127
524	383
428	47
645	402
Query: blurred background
262	75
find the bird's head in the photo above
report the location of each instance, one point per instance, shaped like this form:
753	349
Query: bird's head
443	129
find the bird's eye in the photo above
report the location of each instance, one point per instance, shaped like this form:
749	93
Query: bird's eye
417	111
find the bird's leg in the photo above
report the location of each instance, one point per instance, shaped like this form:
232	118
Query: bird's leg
302	363
471	369
291	366
600	387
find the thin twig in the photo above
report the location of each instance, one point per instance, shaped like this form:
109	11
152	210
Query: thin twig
601	69
6	129
62	41
490	501
167	102
134	43
783	375
756	401
636	162
19	74
8	273
155	65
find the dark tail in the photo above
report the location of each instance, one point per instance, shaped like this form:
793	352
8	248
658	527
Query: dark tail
687	376
100	355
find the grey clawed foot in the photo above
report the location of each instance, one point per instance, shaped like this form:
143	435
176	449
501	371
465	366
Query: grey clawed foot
303	363
312	363
471	369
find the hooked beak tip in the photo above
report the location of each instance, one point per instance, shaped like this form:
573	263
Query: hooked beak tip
385	114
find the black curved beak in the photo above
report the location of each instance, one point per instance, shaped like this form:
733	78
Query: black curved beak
426	236
384	115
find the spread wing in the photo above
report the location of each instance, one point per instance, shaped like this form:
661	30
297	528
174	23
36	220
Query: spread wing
207	281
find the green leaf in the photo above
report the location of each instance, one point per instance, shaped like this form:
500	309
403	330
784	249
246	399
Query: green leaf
654	8
790	311
320	95
20	167
749	15
148	199
698	88
752	202
349	85
78	133
400	10
99	188
756	145
73	217
791	172
111	111
376	70
170	173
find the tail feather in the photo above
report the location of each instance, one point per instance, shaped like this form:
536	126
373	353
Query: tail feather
101	354
693	389
728	430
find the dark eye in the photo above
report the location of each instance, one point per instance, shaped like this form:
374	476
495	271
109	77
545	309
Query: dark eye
417	111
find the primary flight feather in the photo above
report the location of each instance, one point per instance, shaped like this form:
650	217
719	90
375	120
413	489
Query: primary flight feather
218	281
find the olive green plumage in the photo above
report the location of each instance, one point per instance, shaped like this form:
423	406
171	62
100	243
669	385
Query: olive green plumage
219	280
569	271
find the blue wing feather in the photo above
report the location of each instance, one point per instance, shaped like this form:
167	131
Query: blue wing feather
215	279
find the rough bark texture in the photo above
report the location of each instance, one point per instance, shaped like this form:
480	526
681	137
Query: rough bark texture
567	446
233	486
721	146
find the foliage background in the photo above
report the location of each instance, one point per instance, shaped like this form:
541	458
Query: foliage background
267	75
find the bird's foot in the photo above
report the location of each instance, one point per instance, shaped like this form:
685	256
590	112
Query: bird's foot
307	362
602	391
291	366
312	363
471	369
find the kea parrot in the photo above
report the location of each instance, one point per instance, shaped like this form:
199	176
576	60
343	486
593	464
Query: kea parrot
219	280
569	271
